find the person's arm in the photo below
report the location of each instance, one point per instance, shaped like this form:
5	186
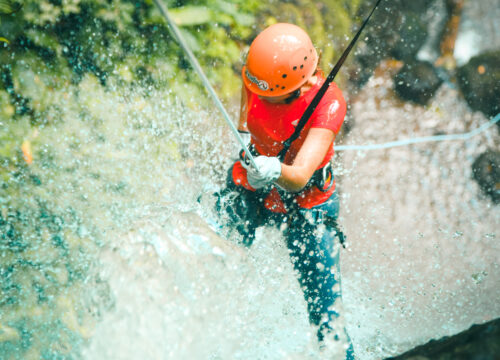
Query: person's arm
294	177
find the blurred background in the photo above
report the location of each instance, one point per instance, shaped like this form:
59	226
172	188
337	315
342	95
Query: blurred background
110	149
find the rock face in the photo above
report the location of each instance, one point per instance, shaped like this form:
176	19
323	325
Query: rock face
486	171
480	342
417	81
479	81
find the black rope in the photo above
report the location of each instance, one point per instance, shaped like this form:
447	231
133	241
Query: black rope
319	95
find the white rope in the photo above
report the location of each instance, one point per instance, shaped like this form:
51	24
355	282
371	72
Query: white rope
419	140
201	74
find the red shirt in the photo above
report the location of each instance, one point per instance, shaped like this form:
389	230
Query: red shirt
270	124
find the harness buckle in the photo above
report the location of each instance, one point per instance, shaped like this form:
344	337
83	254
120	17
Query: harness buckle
321	176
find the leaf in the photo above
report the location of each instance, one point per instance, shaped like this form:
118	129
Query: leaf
190	40
241	18
8	7
191	15
44	39
5	7
244	19
2	39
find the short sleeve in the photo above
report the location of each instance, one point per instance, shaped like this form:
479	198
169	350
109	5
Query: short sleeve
331	110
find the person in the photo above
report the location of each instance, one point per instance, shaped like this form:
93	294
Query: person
298	194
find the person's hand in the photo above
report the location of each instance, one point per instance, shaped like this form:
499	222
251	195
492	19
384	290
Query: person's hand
269	171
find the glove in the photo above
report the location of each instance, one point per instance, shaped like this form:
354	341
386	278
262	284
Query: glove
269	171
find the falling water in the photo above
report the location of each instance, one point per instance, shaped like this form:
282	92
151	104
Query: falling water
424	245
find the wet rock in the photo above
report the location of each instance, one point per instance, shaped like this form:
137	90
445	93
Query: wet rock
396	30
480	342
417	81
479	81
413	33
486	171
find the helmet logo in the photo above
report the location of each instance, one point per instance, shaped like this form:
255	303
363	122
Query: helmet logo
263	85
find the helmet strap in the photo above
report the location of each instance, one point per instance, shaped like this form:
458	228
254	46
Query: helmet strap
293	96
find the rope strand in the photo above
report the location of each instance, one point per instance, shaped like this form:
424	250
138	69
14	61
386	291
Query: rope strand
419	140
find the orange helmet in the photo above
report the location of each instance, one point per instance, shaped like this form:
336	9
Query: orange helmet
280	60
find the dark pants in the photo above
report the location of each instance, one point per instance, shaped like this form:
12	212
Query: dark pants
311	241
311	247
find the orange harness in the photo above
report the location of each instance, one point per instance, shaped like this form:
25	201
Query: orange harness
319	189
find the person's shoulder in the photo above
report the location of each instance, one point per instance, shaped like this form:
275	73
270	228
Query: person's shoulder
334	92
333	95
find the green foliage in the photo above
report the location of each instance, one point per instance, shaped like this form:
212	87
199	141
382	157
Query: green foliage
329	23
126	40
8	7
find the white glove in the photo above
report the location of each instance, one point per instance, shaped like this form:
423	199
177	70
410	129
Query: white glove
269	171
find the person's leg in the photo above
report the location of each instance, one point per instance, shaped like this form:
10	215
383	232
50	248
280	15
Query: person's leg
239	209
316	259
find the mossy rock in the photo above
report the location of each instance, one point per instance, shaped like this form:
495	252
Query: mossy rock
479	81
43	261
